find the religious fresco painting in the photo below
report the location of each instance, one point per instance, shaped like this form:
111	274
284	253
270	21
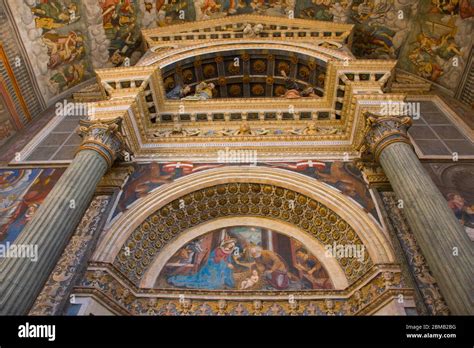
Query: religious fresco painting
55	37
344	176
122	30
244	258
148	177
21	193
65	42
67	39
456	183
440	41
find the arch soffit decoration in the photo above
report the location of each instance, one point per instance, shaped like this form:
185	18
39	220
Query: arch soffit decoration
371	236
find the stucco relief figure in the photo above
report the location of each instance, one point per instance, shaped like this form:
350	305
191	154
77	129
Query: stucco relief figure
178	92
250	31
177	131
312	129
293	89
204	91
244	129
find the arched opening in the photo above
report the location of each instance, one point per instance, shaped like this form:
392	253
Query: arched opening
175	209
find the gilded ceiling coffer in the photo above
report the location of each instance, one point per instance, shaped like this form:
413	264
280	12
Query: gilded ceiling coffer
56	219
442	239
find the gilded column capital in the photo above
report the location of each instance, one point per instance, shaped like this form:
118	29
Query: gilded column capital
104	137
381	131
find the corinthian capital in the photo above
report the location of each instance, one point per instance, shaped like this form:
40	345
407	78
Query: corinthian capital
381	131
103	137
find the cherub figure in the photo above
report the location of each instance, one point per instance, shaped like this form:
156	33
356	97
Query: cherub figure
244	129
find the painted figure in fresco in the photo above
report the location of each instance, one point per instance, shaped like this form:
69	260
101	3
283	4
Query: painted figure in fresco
63	49
230	6
463	212
204	91
272	266
68	77
430	54
124	43
216	273
466	9
250	281
53	14
374	41
29	204
117	13
450	7
141	182
341	11
188	254
346	178
311	270
318	9
178	92
205	8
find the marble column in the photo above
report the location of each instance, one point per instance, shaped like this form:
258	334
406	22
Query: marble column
52	226
442	239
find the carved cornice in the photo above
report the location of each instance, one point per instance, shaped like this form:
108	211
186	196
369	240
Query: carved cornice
280	28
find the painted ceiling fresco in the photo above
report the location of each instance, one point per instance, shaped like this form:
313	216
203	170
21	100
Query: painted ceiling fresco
67	39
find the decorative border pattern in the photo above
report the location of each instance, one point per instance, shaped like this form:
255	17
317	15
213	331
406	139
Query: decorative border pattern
365	297
425	281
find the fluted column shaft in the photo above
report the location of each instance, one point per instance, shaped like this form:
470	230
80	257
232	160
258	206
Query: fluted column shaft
443	241
56	219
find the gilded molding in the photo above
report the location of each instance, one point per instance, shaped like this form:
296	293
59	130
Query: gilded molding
379	286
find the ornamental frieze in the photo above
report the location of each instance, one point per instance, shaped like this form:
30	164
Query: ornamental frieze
363	297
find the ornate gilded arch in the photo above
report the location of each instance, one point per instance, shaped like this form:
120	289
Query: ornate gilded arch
319	210
155	227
